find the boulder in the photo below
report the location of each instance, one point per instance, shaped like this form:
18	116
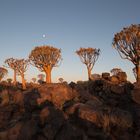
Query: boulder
114	79
18	98
95	76
28	130
117	89
136	95
106	75
30	100
14	132
51	120
103	116
70	132
58	94
5	98
122	76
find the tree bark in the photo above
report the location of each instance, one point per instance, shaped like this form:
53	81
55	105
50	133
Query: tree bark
138	73
48	74
15	80
89	73
23	82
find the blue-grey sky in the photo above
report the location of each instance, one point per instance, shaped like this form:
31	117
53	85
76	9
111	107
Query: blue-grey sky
69	25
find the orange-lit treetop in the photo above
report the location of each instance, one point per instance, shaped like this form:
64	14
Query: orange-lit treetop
11	63
127	43
45	58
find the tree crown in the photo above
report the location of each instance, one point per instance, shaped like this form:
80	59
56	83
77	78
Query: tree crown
127	43
44	56
21	65
10	63
88	56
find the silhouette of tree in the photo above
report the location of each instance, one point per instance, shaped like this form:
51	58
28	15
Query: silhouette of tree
115	71
88	56
61	80
127	43
41	77
45	58
9	80
11	63
34	79
21	68
3	72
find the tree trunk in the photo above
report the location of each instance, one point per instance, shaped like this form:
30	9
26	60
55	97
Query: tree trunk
138	73
89	73
48	75
15	80
23	82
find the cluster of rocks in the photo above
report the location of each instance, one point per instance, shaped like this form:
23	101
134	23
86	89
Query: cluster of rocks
118	78
94	110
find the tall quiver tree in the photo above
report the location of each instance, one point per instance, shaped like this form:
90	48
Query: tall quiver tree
3	72
21	69
127	43
11	63
88	56
45	58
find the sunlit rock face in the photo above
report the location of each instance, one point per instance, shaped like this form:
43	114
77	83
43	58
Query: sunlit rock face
58	94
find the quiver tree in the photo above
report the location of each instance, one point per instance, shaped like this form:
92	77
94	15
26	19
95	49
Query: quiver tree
3	72
21	68
45	58
34	79
61	80
127	43
115	71
9	80
88	56
41	78
11	63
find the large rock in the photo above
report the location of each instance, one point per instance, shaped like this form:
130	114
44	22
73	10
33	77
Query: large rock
102	116
70	132
5	98
136	95
17	98
95	76
117	89
51	120
30	100
14	132
114	79
58	94
106	75
122	76
28	130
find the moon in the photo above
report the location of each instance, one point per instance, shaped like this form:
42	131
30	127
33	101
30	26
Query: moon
44	35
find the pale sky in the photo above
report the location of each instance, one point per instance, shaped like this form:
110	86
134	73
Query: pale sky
69	25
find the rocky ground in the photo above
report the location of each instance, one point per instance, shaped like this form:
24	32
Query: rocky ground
95	110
